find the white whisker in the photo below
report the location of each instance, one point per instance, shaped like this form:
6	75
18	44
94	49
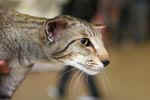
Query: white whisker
107	85
71	70
73	83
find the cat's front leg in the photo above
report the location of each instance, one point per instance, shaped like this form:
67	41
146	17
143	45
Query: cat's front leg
9	83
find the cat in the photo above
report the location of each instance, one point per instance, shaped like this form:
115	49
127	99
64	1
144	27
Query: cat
64	40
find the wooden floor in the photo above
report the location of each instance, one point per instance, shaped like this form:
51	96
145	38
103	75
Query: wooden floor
127	78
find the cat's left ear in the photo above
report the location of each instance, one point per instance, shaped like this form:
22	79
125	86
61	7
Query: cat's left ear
54	28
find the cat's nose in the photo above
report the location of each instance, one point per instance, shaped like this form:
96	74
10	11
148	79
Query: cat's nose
105	62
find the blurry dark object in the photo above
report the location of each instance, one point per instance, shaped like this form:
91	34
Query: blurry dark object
84	9
139	20
67	75
133	21
123	23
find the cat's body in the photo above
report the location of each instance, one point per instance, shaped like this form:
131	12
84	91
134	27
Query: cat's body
64	40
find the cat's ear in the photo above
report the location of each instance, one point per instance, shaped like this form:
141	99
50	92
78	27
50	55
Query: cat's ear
100	28
54	27
105	32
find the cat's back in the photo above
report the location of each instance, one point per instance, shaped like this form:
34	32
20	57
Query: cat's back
6	23
15	25
19	32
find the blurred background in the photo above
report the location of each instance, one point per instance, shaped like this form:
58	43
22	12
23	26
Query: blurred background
127	39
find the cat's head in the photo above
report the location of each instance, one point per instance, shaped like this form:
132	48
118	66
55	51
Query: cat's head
76	43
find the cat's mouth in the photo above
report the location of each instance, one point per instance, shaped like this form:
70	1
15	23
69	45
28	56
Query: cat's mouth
91	70
94	69
88	69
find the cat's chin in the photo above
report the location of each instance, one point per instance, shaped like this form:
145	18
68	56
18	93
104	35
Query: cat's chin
89	72
82	67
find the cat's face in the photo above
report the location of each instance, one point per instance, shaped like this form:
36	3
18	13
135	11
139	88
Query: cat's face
78	44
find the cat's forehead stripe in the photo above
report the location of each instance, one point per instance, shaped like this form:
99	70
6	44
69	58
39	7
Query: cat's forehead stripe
88	30
83	24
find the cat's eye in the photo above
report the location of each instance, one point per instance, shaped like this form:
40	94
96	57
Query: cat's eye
86	42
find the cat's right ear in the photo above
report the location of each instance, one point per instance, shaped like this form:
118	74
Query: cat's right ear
100	28
54	28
